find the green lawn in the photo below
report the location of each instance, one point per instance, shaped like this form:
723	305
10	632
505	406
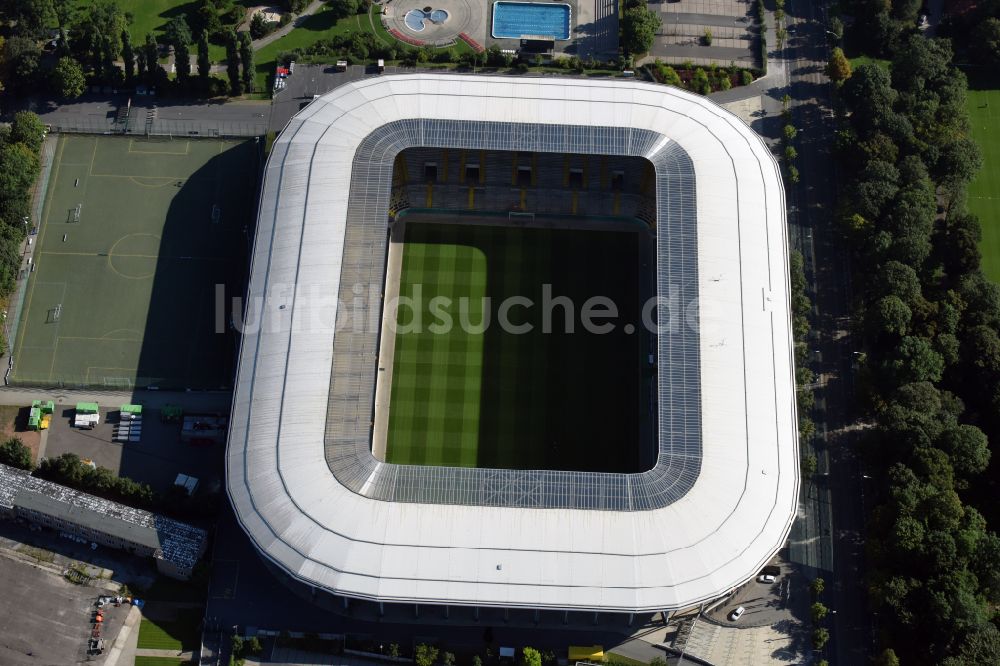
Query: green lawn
984	191
125	296
868	60
177	635
321	25
532	400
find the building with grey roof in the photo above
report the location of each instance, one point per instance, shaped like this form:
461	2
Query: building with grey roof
175	546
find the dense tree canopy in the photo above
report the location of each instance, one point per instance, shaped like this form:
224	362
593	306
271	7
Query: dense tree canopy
13	452
639	27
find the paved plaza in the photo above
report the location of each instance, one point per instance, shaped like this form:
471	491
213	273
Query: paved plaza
684	26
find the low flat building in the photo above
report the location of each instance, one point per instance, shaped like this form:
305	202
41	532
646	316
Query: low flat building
175	546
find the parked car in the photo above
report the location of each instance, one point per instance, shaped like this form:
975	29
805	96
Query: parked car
737	613
766	578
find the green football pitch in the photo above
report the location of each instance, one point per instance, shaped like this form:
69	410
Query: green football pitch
125	295
467	397
984	190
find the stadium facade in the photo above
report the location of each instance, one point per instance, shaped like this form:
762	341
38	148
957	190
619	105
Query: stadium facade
720	500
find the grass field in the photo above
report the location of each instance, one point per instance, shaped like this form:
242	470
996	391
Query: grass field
321	25
178	635
126	296
537	400
868	60
984	191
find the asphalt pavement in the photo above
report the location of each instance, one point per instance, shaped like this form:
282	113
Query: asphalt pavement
834	499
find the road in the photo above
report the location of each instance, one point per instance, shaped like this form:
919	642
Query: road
835	498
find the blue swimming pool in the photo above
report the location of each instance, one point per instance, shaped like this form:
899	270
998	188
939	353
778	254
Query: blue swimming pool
517	20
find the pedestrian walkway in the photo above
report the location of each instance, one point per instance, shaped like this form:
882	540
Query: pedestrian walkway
681	37
313	7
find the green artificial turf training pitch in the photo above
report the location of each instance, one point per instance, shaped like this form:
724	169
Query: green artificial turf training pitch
984	190
126	296
496	399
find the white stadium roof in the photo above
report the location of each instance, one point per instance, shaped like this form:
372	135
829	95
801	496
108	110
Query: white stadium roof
722	497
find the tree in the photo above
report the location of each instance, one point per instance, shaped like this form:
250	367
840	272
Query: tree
820	637
182	62
177	32
246	61
890	315
152	51
839	67
967	447
425	655
982	348
477	660
958	161
204	64
986	42
817	586
906	10
206	20
13	452
98	31
30	17
981	646
700	83
67	78
887	657
258	26
233	64
818	611
531	657
128	56
253	646
394	650
670	76
639	27
895	278
870	96
808	464
28	129
958	244
916	361
237	645
448	658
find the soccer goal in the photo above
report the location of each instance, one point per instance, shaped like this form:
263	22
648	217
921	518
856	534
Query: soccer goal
74	213
53	314
216	214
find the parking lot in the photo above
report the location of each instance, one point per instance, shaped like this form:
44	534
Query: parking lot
156	459
47	619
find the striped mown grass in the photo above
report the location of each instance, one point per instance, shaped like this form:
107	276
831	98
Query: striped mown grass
467	397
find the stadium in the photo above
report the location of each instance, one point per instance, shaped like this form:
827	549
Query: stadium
652	466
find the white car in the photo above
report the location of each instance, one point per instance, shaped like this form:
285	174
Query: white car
737	613
766	578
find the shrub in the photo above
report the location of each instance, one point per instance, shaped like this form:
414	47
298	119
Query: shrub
13	452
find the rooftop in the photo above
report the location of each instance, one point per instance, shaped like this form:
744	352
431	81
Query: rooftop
721	499
178	543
